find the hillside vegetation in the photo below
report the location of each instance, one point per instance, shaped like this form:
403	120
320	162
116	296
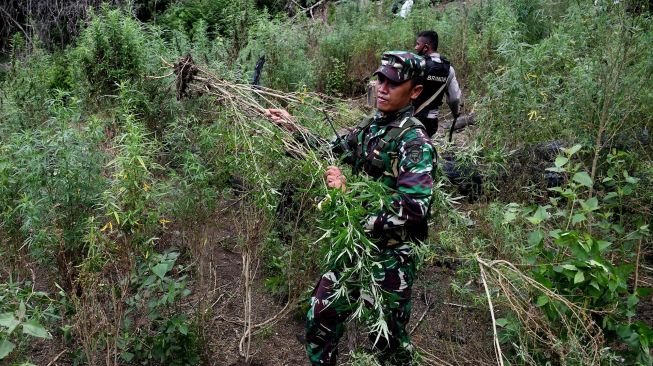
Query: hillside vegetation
149	218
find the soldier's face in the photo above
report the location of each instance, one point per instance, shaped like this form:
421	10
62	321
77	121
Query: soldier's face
392	96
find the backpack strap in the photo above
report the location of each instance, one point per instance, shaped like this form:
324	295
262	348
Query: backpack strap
431	99
393	134
398	131
365	123
435	95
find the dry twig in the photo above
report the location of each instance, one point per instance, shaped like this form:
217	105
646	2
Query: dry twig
497	345
421	318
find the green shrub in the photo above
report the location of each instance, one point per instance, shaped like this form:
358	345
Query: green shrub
223	18
112	49
131	201
286	47
50	180
169	337
30	83
572	244
579	80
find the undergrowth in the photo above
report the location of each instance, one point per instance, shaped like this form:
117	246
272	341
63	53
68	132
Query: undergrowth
109	183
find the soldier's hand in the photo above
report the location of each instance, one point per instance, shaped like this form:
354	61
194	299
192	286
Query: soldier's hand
281	118
335	178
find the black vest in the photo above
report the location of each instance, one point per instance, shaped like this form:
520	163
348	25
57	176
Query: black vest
435	75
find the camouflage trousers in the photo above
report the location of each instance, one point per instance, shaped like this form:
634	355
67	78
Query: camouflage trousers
326	317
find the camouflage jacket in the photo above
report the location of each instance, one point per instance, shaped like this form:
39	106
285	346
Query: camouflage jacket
405	163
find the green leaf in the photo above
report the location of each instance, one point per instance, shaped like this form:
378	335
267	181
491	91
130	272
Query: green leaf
590	205
535	237
627	335
644	292
140	160
127	356
561	161
610	196
5	348
35	329
618	228
572	150
171	293
583	178
587	246
603	245
509	217
8	321
540	215
580	277
555	234
570	267
502	322
555	169
629	179
632	300
568	194
160	270
21	310
542	300
115	216
579	217
556	189
594	263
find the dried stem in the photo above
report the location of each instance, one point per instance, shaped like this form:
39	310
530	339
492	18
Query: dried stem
639	250
497	345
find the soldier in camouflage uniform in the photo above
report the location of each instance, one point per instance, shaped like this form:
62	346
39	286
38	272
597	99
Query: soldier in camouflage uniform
393	147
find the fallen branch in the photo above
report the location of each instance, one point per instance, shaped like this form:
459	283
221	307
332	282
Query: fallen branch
57	357
421	318
431	358
497	345
639	250
458	305
270	321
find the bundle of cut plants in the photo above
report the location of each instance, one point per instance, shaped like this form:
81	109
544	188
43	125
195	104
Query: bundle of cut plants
351	254
249	102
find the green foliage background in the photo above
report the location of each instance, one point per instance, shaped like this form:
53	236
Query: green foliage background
98	159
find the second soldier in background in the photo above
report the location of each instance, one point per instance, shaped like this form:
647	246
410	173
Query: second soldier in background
439	79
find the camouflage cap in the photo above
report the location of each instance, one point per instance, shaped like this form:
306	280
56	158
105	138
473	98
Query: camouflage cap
400	66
